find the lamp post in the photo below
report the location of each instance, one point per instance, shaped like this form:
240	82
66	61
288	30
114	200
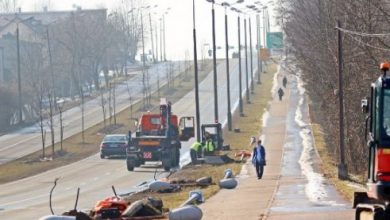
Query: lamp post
60	105
197	114
259	63
250	51
241	105
246	65
20	115
229	113
214	63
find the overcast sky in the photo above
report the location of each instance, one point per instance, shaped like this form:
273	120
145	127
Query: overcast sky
178	21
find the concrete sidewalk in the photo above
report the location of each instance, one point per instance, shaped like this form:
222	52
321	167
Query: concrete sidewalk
252	198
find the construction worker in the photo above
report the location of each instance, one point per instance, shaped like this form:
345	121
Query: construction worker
209	147
195	152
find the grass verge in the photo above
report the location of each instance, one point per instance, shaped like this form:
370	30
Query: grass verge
329	165
73	148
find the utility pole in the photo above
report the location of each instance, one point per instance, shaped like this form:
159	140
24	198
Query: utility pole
19	76
251	54
342	167
197	114
214	66
229	113
246	65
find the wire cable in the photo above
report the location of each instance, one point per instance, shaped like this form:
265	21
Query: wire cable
362	34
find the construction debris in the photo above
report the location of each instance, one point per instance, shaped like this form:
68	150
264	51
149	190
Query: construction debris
145	207
57	217
204	181
189	212
111	207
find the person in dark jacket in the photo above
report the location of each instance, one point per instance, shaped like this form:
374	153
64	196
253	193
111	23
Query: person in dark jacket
280	93
284	81
258	159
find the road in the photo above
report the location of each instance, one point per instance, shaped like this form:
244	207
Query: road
28	140
29	198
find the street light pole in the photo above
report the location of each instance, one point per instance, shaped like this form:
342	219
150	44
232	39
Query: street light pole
229	113
19	76
197	114
246	65
214	64
250	49
151	37
161	40
165	45
143	62
259	64
240	69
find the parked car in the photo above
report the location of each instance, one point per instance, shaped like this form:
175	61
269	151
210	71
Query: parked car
114	145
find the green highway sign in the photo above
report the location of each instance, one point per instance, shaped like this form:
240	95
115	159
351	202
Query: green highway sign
274	40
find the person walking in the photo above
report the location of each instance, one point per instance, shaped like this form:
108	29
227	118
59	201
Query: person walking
195	152
284	81
280	93
258	159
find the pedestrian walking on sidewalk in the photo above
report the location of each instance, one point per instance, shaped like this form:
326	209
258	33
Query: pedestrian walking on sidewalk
284	81
280	93
258	159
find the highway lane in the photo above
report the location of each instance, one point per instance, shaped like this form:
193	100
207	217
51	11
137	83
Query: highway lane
28	140
29	197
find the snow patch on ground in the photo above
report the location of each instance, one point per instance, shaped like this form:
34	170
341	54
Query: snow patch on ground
315	188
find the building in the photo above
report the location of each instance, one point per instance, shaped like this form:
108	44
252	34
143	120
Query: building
35	28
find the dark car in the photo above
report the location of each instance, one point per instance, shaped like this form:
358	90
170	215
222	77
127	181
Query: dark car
114	145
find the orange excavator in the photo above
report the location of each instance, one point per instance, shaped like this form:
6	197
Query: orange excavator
374	204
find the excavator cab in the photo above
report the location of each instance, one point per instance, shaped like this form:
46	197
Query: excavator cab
375	202
215	132
186	128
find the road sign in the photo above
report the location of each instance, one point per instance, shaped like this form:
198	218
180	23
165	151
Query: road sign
274	40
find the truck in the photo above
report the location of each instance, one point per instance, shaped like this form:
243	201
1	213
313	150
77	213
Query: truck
374	204
158	138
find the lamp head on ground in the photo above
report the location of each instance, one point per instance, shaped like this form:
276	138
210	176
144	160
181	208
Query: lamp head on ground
211	1
240	1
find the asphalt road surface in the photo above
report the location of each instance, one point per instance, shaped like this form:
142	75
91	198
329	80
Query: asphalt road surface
28	140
